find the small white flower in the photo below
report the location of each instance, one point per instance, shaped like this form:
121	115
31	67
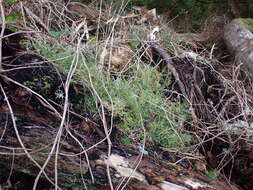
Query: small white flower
142	150
59	94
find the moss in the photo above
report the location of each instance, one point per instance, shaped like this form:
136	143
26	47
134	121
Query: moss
126	140
212	174
9	3
136	99
73	181
248	22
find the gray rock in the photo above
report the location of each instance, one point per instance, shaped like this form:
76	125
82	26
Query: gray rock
239	40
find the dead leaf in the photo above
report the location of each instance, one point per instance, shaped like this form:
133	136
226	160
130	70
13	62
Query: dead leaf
145	14
116	59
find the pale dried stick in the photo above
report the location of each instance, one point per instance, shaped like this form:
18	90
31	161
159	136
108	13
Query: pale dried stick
2	32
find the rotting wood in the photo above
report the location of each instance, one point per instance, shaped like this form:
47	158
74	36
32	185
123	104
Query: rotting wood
167	58
37	127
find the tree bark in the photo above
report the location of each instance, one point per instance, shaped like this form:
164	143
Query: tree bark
150	174
233	8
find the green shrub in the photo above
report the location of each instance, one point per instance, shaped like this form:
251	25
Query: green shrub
59	53
137	99
194	8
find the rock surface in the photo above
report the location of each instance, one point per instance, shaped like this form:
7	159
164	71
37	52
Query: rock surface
239	40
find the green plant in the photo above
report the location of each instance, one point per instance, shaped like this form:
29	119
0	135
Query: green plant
26	171
137	99
57	34
9	3
177	7
13	18
126	140
212	174
187	15
73	182
59	53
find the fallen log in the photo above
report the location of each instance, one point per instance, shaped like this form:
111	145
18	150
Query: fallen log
29	126
128	168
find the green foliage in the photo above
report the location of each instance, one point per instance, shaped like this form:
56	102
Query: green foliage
194	8
73	182
194	11
212	174
134	46
81	1
26	171
42	85
126	140
13	18
140	99
245	8
9	3
58	34
167	128
136	99
58	53
191	14
248	22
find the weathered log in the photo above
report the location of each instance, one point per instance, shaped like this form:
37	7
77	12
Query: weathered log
150	173
36	127
29	125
